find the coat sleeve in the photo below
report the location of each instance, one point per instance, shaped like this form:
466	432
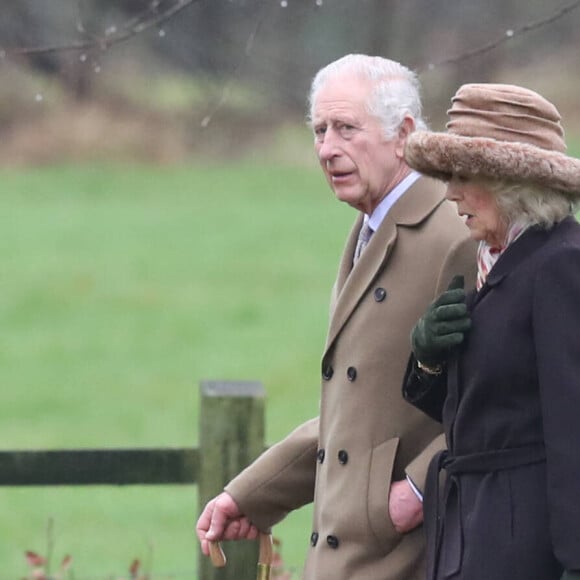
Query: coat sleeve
460	260
280	480
425	392
556	316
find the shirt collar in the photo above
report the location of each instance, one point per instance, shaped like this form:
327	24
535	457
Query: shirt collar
377	217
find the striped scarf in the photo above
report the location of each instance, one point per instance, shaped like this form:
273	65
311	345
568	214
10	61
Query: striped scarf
488	255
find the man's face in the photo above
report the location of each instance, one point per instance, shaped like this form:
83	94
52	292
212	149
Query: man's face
361	166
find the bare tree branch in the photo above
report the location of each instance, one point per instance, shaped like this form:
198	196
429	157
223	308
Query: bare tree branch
226	87
154	16
507	36
160	11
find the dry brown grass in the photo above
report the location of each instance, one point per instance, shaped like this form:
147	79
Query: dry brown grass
116	127
98	132
89	131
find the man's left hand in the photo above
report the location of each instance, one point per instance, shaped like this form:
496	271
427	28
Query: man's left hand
405	508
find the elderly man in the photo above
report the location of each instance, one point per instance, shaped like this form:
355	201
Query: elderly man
363	461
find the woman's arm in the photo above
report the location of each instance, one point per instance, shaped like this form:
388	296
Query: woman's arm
425	391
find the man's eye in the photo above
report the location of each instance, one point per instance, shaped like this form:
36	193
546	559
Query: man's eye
346	130
319	132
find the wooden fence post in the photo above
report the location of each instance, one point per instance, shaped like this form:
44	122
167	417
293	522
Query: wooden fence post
231	436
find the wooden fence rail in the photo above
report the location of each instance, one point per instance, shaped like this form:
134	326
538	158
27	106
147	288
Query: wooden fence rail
231	435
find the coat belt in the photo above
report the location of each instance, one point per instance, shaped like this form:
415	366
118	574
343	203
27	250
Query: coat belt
455	466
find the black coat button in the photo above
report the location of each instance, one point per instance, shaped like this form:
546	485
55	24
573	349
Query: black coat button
320	455
314	539
327	372
351	374
332	541
342	457
380	294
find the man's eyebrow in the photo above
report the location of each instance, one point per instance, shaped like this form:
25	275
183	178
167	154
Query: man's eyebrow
345	118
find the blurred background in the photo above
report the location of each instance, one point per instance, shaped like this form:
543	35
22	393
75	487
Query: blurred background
163	221
224	77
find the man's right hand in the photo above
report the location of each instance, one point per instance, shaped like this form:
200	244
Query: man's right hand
221	519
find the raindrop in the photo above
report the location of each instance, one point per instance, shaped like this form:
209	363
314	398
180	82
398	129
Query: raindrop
2	54
83	57
205	121
38	97
284	3
161	33
97	69
431	66
509	33
318	2
110	30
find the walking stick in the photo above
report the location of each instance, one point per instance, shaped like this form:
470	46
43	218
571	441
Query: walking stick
218	557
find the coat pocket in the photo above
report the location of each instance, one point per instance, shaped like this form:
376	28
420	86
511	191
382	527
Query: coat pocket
381	472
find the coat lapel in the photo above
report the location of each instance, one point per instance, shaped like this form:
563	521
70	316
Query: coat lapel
352	282
514	255
348	255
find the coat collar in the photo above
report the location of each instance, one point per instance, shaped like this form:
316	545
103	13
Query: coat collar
514	255
418	202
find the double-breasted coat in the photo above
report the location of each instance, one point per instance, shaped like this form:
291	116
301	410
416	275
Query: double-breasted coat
510	405
366	435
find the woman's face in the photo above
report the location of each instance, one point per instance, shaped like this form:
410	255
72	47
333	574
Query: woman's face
477	204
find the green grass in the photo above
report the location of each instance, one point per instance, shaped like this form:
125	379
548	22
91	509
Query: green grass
122	288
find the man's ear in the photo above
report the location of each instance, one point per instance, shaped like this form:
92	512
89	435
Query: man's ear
406	128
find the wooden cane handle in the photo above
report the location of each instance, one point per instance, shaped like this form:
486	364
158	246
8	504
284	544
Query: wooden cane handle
265	558
218	558
266	549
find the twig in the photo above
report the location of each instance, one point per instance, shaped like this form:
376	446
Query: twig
508	35
225	90
152	17
155	15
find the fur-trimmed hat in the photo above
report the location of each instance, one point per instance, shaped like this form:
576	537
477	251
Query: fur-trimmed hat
501	132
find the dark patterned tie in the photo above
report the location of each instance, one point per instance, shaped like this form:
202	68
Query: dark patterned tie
363	239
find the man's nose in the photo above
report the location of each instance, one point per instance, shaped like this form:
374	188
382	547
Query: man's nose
328	146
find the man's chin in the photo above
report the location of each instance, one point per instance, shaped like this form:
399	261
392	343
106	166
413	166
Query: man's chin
346	195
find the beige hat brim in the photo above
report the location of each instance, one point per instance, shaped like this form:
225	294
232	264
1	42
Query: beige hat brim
442	155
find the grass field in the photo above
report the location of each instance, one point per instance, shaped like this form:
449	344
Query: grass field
122	288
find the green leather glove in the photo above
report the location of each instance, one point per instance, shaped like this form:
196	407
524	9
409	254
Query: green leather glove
443	325
570	575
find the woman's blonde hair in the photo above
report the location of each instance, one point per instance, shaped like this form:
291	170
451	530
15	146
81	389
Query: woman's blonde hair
533	204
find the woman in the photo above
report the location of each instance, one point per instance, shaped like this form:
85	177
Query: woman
500	366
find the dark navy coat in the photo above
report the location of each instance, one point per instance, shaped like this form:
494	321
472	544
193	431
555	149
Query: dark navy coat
513	385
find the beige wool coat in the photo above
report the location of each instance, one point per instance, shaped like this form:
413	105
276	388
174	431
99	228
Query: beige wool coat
366	435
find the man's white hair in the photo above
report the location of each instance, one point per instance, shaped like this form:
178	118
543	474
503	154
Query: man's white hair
395	94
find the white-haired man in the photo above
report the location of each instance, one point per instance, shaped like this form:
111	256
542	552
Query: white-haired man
363	461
